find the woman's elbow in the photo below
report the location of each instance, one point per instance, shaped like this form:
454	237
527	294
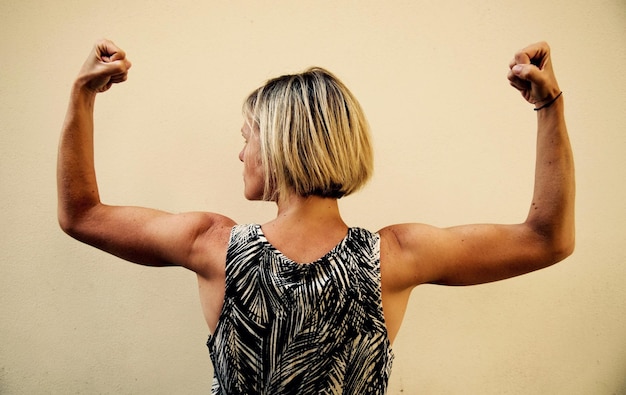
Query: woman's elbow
549	244
562	251
74	224
558	247
70	226
565	248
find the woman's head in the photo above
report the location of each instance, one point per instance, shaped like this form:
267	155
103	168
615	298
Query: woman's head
314	138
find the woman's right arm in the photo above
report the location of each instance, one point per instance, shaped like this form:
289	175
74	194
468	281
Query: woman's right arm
196	241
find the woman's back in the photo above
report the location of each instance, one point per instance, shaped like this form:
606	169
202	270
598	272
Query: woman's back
288	327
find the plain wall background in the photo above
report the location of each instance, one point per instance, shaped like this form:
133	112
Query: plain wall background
454	144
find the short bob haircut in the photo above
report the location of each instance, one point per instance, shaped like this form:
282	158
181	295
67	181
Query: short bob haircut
314	137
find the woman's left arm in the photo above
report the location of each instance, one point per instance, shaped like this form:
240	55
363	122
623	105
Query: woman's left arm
474	254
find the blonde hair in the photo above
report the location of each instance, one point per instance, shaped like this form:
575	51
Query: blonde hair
314	137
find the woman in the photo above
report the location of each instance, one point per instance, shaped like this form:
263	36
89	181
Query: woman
305	304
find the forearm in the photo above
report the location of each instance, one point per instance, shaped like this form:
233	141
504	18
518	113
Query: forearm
76	180
551	213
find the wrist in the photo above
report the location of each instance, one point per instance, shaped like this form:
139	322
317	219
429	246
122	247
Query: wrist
81	96
81	86
547	102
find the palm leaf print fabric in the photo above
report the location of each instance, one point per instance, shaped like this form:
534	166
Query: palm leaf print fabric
291	328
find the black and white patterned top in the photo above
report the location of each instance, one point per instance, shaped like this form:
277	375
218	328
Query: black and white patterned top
290	328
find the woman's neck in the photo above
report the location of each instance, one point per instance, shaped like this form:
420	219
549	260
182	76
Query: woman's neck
306	228
311	208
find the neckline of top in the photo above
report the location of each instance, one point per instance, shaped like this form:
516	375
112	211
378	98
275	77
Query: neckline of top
285	259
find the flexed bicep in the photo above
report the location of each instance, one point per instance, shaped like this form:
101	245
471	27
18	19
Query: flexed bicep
465	255
196	241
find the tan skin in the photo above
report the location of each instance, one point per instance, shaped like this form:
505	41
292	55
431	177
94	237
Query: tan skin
307	228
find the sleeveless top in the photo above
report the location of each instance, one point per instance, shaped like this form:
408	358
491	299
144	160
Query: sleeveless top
291	328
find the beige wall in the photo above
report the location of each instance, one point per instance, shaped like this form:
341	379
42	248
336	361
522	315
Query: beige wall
454	144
